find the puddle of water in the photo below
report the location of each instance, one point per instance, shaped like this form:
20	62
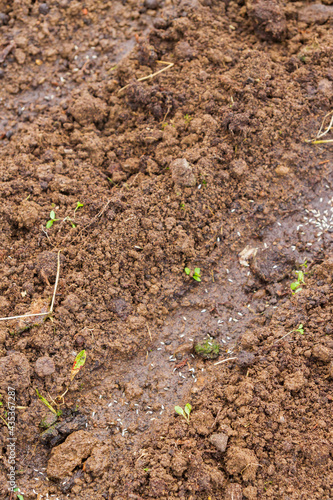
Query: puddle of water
222	309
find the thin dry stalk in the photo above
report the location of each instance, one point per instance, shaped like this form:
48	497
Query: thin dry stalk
223	361
320	133
169	65
52	303
149	332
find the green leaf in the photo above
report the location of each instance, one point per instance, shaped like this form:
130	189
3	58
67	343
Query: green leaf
73	225
295	285
46	403
187	270
78	363
49	224
78	205
197	271
180	411
52	214
196	278
188	409
20	497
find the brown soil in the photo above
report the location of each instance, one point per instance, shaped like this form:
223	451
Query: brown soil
184	169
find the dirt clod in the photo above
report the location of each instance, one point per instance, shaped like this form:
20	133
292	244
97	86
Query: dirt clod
44	366
323	353
182	173
68	455
242	461
295	382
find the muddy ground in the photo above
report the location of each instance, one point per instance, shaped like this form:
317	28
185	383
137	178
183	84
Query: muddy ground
183	169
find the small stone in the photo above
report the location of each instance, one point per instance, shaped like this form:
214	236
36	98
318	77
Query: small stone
152	4
323	353
282	170
238	168
233	492
43	9
295	381
44	366
182	173
220	441
4	19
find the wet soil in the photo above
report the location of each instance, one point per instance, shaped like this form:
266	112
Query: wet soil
196	166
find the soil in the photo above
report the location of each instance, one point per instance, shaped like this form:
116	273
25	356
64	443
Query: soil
203	165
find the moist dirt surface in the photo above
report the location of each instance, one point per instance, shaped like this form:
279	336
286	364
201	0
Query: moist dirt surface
203	165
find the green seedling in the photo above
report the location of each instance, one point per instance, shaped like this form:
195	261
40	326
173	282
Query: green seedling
184	413
196	273
187	118
300	330
46	403
53	219
18	495
146	469
296	286
78	205
208	349
182	206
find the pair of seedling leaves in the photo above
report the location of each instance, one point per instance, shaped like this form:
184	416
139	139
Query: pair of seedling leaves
53	219
184	413
196	273
77	365
296	286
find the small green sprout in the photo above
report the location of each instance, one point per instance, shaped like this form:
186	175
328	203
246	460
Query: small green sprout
300	330
78	205
184	413
182	205
187	118
196	273
146	469
52	219
18	495
46	403
296	286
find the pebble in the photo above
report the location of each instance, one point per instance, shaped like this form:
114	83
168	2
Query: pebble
43	9
219	440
